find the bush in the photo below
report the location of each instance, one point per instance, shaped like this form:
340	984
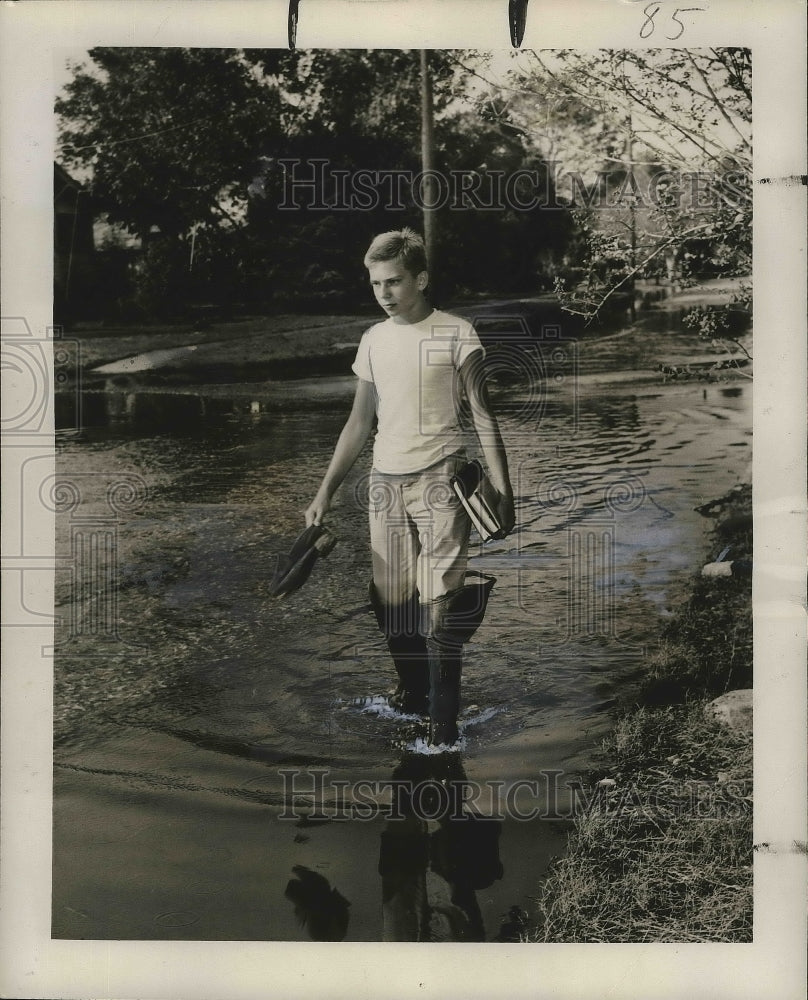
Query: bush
161	280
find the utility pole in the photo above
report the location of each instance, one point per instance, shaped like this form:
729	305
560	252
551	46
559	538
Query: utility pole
428	164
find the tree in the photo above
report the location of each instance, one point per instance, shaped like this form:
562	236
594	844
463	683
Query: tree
652	149
323	118
169	137
428	155
357	91
199	145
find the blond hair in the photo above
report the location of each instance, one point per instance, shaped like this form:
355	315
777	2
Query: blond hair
399	244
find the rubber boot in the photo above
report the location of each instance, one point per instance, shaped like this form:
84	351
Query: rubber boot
445	655
399	625
447	623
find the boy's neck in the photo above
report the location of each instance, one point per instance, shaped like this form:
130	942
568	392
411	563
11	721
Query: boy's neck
418	317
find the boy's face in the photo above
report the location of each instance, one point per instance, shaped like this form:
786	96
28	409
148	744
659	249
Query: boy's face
398	292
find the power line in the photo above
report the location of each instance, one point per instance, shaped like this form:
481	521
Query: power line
150	135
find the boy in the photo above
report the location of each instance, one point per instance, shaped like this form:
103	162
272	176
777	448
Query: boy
411	368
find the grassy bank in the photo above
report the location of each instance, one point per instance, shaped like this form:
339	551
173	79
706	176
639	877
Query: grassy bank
661	848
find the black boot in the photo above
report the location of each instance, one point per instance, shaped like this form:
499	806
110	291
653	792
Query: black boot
399	625
446	624
445	667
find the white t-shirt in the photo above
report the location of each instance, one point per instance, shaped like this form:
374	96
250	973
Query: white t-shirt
414	369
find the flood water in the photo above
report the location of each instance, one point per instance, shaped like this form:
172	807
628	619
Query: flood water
223	760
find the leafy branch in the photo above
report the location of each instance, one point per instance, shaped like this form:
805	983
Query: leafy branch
632	272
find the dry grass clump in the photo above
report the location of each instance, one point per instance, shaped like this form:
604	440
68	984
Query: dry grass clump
662	849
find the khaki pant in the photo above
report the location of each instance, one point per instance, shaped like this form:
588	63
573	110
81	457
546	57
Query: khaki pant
419	533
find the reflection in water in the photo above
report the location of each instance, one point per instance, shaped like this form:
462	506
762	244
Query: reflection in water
323	911
436	852
435	856
609	414
121	398
127	405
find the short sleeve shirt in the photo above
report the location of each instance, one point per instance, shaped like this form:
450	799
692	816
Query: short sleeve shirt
414	368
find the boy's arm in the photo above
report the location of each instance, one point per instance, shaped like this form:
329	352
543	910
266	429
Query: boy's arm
350	443
472	374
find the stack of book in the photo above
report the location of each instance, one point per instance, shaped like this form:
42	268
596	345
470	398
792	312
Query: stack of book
478	496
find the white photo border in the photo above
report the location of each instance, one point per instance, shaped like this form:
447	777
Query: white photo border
34	965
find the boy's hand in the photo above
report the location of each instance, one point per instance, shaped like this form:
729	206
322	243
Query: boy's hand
317	510
507	514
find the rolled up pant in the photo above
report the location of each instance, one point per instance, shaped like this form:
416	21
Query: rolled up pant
419	540
419	535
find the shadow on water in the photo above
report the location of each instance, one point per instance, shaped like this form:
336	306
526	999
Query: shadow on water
435	855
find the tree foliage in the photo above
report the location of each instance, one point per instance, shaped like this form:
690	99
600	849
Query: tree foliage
357	91
197	144
360	110
169	136
652	148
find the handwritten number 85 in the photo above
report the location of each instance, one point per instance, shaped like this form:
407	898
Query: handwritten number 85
651	12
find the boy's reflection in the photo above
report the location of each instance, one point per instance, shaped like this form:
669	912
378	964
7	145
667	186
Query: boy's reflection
434	856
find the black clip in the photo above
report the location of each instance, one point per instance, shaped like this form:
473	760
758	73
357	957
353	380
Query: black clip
517	19
292	23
